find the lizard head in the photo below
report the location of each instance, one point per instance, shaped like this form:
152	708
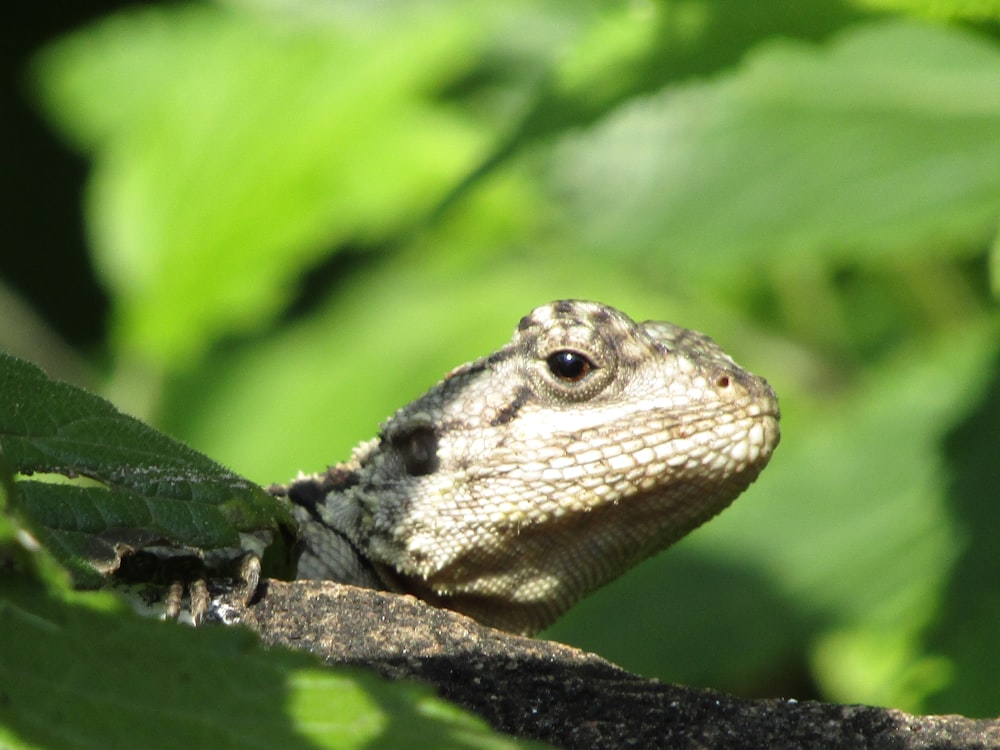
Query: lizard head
530	477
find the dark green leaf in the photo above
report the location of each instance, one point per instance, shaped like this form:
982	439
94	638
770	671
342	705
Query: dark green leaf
79	673
147	487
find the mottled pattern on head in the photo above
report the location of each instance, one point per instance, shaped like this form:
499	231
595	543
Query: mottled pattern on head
527	478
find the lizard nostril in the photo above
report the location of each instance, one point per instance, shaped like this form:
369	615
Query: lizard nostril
722	381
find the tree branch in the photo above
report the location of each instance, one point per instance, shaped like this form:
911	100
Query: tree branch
547	691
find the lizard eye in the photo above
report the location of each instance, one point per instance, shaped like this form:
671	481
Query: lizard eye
569	366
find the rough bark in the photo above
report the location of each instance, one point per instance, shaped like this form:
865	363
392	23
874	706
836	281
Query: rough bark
547	691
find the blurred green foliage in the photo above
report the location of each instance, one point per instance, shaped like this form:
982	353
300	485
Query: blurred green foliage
305	213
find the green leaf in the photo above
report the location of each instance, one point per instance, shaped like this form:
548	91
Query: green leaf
147	487
234	148
629	51
994	267
966	624
87	674
881	144
952	10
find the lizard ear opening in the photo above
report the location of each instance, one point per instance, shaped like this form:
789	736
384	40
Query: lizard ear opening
418	450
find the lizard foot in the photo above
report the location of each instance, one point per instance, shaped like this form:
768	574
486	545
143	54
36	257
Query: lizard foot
156	581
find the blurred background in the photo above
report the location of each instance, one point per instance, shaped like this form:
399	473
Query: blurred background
264	226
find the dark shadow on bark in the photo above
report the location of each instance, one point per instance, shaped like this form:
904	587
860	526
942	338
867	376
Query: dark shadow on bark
546	691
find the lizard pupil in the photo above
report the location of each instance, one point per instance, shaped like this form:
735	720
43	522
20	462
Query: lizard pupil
569	366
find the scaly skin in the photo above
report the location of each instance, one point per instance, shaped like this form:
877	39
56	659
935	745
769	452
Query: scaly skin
530	477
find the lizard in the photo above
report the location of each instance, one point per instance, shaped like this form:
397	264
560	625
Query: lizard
528	478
